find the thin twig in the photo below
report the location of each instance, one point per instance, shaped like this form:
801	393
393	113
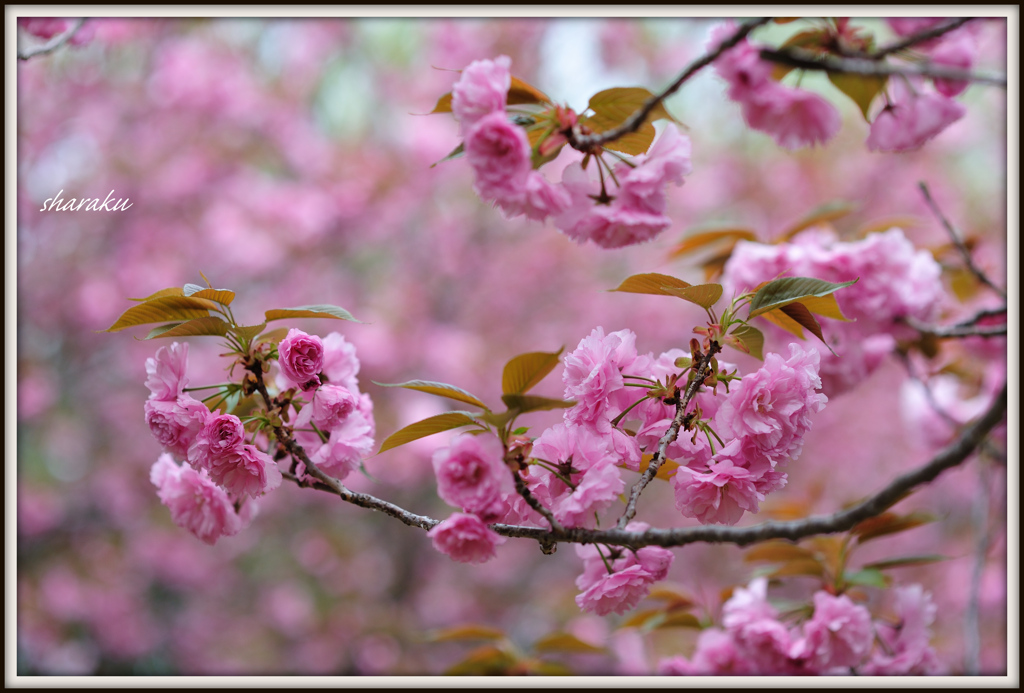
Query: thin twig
920	37
957	240
808	60
661	455
981	315
972	632
589	143
954	331
532	501
54	43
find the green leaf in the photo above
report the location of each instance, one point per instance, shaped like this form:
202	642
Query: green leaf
524	371
274	336
520	431
453	154
826	212
752	338
800	315
565	642
780	292
777	551
173	291
427	427
179	308
249	332
443	105
222	296
469	631
439	389
498	419
527	403
905	561
699	240
782	320
521	92
704	295
868	577
862	89
889	523
210	326
315	311
651	283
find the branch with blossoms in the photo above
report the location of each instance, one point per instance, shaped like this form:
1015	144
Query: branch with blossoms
53	43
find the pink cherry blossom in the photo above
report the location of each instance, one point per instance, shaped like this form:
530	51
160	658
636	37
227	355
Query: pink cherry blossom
331	405
195	502
481	90
471	474
593	372
222	434
616	592
537	199
907	650
760	639
244	471
911	119
741	66
465	538
349	441
839	634
957	49
793	117
499	153
341	365
716	655
771	408
718	496
166	372
301	357
176	423
629	580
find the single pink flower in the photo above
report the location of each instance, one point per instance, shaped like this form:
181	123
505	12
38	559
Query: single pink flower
593	371
616	592
481	90
471	475
499	153
175	423
907	651
244	471
795	118
741	66
222	434
331	405
911	119
341	366
301	358
629	580
761	640
719	496
838	635
195	502
166	372
465	538
349	440
537	199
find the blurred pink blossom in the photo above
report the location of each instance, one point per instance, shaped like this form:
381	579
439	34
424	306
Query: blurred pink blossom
195	502
471	475
481	90
911	118
465	538
838	635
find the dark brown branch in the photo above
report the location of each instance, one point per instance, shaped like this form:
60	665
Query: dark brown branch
661	454
807	60
532	501
958	241
955	331
920	37
589	143
54	43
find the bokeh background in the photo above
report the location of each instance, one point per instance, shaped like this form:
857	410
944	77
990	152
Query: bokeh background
287	161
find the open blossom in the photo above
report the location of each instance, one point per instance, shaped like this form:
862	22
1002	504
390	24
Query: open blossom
760	639
301	357
634	211
771	408
911	118
907	651
349	439
593	372
175	423
481	90
331	405
465	538
499	153
629	581
245	471
716	655
718	496
537	199
839	635
166	372
471	474
196	503
221	434
341	365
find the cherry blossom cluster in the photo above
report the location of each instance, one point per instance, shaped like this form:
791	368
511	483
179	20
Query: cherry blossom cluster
896	281
212	494
625	206
838	639
573	469
205	495
911	115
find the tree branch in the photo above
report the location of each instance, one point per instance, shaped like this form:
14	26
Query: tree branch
958	241
807	60
920	37
589	143
954	331
670	435
54	43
